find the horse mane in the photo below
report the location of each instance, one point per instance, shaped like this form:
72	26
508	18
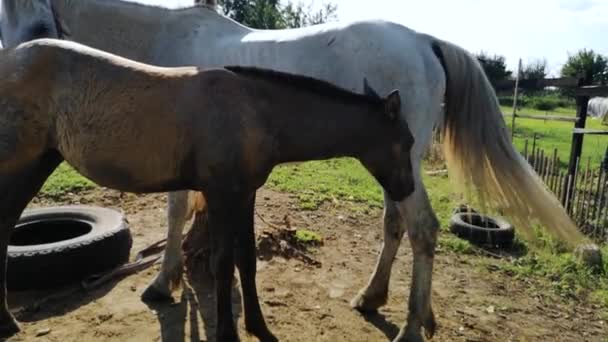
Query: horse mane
314	85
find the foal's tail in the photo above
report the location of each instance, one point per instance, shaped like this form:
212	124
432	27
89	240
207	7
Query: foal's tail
480	155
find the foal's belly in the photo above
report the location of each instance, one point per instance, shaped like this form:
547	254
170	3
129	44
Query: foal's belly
129	169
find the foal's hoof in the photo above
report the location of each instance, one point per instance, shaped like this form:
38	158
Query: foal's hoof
152	294
264	336
365	303
9	328
430	326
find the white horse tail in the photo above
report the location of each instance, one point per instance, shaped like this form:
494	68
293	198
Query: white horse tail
481	157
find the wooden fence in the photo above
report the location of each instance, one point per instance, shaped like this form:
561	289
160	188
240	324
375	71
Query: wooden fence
583	90
584	195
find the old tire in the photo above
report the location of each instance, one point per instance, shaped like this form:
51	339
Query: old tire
51	247
482	230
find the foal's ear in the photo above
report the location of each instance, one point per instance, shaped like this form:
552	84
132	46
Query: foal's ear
368	90
392	105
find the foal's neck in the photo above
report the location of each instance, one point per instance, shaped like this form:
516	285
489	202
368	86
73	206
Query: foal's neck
323	128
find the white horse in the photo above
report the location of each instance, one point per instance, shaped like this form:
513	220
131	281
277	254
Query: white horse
598	108
427	71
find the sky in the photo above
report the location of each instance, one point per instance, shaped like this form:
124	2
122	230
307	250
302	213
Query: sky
526	29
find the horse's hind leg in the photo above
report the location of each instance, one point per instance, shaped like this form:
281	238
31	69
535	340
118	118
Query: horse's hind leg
17	189
246	261
415	214
180	208
422	230
375	294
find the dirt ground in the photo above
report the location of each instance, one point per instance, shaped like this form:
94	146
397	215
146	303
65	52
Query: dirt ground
303	302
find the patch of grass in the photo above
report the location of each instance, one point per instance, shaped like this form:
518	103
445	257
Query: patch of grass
566	276
65	179
308	237
454	244
319	181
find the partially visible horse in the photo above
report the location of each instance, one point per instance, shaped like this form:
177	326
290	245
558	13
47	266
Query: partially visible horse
597	107
138	128
428	71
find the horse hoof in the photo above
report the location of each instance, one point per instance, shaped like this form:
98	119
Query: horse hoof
365	303
9	328
409	336
430	326
152	294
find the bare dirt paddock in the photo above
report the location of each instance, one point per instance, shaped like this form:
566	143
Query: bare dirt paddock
303	302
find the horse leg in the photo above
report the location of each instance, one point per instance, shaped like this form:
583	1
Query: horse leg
18	188
246	261
375	294
179	211
222	223
422	230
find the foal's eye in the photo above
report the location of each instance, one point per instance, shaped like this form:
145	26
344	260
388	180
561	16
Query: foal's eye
39	30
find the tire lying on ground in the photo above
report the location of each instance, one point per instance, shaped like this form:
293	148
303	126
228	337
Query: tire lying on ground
55	246
482	230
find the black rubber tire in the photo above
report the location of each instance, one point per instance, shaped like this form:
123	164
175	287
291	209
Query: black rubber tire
499	233
53	264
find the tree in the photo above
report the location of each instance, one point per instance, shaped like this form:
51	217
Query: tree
534	70
298	16
271	14
494	66
588	64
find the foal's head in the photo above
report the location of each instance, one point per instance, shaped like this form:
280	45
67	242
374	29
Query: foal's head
388	156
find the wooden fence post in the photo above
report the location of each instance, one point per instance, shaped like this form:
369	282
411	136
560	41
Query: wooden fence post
577	139
515	100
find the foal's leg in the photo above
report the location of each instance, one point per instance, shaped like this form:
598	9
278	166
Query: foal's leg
17	189
375	294
246	261
222	222
180	209
422	229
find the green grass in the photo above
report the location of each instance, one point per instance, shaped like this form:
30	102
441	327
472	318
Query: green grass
308	237
319	181
557	134
566	276
65	179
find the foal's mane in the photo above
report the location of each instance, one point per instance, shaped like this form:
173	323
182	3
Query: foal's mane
308	83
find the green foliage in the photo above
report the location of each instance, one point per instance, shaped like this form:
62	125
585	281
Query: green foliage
271	14
454	244
296	15
567	276
494	66
65	179
588	64
546	101
543	103
534	70
308	237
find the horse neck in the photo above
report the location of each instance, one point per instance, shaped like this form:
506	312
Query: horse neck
144	33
